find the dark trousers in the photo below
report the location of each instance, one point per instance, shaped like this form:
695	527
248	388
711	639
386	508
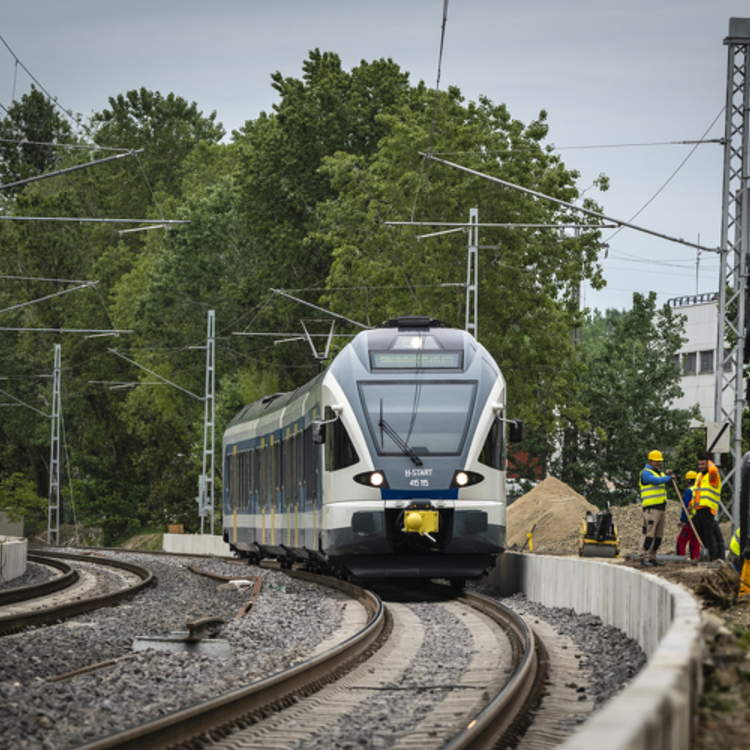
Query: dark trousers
704	525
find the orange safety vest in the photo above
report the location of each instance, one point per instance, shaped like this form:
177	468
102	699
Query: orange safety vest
707	495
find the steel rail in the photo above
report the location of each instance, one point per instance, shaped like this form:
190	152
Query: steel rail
509	711
245	705
16	622
24	593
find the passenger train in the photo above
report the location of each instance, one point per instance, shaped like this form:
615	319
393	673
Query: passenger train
389	464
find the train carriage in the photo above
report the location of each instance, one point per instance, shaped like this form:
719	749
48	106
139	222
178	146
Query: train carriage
391	463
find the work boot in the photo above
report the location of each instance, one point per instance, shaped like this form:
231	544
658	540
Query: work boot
647	563
658	563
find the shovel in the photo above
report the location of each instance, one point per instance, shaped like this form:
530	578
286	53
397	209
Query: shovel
703	554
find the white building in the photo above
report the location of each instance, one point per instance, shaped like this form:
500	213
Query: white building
698	356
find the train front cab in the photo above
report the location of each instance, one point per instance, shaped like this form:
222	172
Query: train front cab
454	528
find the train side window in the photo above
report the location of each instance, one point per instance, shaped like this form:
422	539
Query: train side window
256	478
264	483
278	474
493	451
288	469
308	466
340	451
245	498
235	480
228	478
242	480
300	470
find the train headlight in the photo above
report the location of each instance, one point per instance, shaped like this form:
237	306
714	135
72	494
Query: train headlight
465	479
372	479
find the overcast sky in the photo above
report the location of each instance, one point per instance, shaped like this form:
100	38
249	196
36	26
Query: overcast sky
609	73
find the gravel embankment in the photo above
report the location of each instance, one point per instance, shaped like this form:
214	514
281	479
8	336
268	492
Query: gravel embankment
34	575
289	619
287	622
607	654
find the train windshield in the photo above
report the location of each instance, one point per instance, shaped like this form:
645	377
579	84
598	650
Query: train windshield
418	418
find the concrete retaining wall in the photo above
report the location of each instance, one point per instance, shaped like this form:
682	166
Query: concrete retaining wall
196	544
12	557
655	711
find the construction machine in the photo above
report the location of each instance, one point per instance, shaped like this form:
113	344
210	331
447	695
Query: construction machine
598	535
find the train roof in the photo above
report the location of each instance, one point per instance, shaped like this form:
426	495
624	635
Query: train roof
399	345
273	402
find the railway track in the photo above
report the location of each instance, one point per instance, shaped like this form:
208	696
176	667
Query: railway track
488	699
86	583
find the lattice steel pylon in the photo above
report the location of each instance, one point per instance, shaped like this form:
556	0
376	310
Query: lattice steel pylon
206	481
735	217
472	275
53	506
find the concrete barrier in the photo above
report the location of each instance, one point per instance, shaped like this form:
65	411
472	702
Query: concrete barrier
655	711
12	557
196	544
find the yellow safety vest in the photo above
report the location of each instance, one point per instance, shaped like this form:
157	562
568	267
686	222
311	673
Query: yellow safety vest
653	494
705	495
734	545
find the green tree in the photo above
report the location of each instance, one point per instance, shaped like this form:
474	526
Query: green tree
28	136
632	377
168	129
19	498
529	278
280	182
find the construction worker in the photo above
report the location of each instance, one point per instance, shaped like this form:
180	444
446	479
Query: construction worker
735	552
653	485
705	502
686	539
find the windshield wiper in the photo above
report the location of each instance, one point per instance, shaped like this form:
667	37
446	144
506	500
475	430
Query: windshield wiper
393	435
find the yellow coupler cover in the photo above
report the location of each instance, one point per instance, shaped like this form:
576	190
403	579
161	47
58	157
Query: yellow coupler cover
421	521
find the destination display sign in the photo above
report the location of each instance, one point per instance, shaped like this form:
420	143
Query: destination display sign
417	360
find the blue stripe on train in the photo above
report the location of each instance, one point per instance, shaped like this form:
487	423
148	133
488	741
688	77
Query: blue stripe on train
419	494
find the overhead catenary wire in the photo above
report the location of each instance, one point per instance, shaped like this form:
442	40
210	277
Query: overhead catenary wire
51	98
565	204
434	106
669	179
68	170
66	146
86	285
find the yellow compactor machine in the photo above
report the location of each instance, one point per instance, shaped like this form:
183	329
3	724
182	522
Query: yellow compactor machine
598	535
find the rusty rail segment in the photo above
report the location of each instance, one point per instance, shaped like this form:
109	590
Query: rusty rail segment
23	593
503	720
257	700
14	623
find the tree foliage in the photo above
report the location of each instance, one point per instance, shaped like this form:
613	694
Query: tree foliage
631	377
29	134
299	200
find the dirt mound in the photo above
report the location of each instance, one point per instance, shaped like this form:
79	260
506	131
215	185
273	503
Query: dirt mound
556	509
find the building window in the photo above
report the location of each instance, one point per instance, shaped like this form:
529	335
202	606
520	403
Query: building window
688	363
707	361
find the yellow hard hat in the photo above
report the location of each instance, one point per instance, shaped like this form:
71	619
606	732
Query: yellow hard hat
691	475
655	456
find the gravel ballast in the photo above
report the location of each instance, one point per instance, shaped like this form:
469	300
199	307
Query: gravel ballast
289	619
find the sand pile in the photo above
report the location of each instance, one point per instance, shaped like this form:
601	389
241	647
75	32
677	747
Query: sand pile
556	509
